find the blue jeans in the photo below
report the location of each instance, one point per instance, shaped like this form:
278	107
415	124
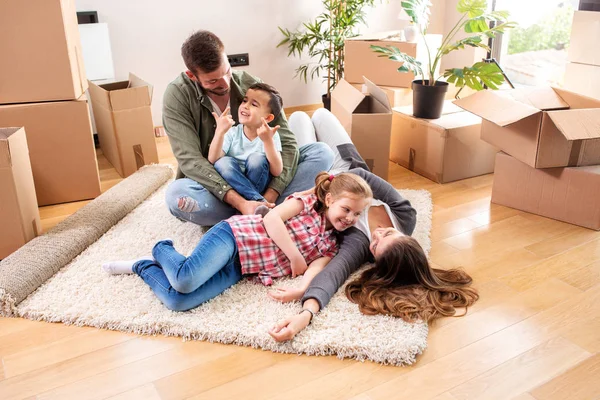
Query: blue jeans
314	158
184	283
249	184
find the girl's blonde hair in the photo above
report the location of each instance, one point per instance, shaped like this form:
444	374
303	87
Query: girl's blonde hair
339	184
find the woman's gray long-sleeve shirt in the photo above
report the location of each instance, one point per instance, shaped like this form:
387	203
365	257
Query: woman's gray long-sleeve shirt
354	244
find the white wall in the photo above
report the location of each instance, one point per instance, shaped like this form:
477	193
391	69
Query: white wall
146	37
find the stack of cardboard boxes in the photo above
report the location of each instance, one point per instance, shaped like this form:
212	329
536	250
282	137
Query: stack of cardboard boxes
372	85
42	81
443	150
582	74
550	142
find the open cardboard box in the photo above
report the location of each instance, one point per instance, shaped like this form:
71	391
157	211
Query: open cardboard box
367	117
19	215
124	123
445	149
565	194
543	127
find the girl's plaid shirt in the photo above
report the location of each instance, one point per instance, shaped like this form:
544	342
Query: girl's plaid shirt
260	255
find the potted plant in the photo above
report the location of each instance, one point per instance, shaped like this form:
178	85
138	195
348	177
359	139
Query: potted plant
323	39
479	24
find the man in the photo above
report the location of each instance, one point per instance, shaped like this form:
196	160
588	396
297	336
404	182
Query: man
200	194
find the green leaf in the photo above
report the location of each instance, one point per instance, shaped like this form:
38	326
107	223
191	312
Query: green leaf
471	41
473	8
418	11
476	77
410	64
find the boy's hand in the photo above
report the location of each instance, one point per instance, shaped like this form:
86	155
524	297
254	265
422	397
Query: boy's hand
265	132
224	122
286	294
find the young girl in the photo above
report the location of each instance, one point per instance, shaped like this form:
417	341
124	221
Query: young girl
300	231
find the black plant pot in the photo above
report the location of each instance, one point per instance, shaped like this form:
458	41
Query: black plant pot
326	101
428	101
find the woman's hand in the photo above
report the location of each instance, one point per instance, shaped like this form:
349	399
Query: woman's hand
290	327
286	294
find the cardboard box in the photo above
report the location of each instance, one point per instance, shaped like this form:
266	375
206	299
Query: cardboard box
585	33
19	215
445	149
401	96
360	60
565	194
61	149
543	127
368	120
583	79
41	52
124	123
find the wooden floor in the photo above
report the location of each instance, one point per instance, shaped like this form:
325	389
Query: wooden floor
535	333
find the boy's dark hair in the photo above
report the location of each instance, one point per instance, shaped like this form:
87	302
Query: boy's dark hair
275	101
203	51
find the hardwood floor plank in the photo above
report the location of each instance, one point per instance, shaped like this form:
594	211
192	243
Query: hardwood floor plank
110	382
580	382
206	376
479	357
578	257
146	392
283	376
62	349
524	372
471	328
90	364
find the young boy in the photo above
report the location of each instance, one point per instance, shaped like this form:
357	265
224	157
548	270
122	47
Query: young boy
249	154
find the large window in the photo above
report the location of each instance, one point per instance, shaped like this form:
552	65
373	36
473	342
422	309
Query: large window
535	53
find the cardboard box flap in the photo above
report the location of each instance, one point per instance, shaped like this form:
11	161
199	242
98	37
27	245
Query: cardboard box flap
348	97
126	99
542	98
578	124
136	81
5	157
377	93
499	109
99	95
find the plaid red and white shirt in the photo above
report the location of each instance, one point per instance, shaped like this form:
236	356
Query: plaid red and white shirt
260	255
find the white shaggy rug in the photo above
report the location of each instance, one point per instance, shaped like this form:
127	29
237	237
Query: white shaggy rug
83	294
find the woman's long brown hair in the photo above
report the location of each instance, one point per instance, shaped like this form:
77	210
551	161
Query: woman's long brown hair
402	284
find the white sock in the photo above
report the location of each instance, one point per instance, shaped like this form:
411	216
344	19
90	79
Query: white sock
122	267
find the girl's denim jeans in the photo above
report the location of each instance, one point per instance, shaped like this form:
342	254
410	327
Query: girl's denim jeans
184	283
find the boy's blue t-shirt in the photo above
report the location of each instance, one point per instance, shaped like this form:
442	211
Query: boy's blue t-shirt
238	146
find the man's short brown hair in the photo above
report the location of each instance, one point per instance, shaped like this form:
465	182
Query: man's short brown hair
275	100
203	51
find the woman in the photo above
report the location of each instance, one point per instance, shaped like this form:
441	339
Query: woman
401	283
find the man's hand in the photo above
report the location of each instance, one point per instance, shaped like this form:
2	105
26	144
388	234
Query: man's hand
290	327
286	294
271	195
224	122
247	207
299	266
265	132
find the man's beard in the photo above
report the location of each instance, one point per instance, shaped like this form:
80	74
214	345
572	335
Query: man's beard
218	92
